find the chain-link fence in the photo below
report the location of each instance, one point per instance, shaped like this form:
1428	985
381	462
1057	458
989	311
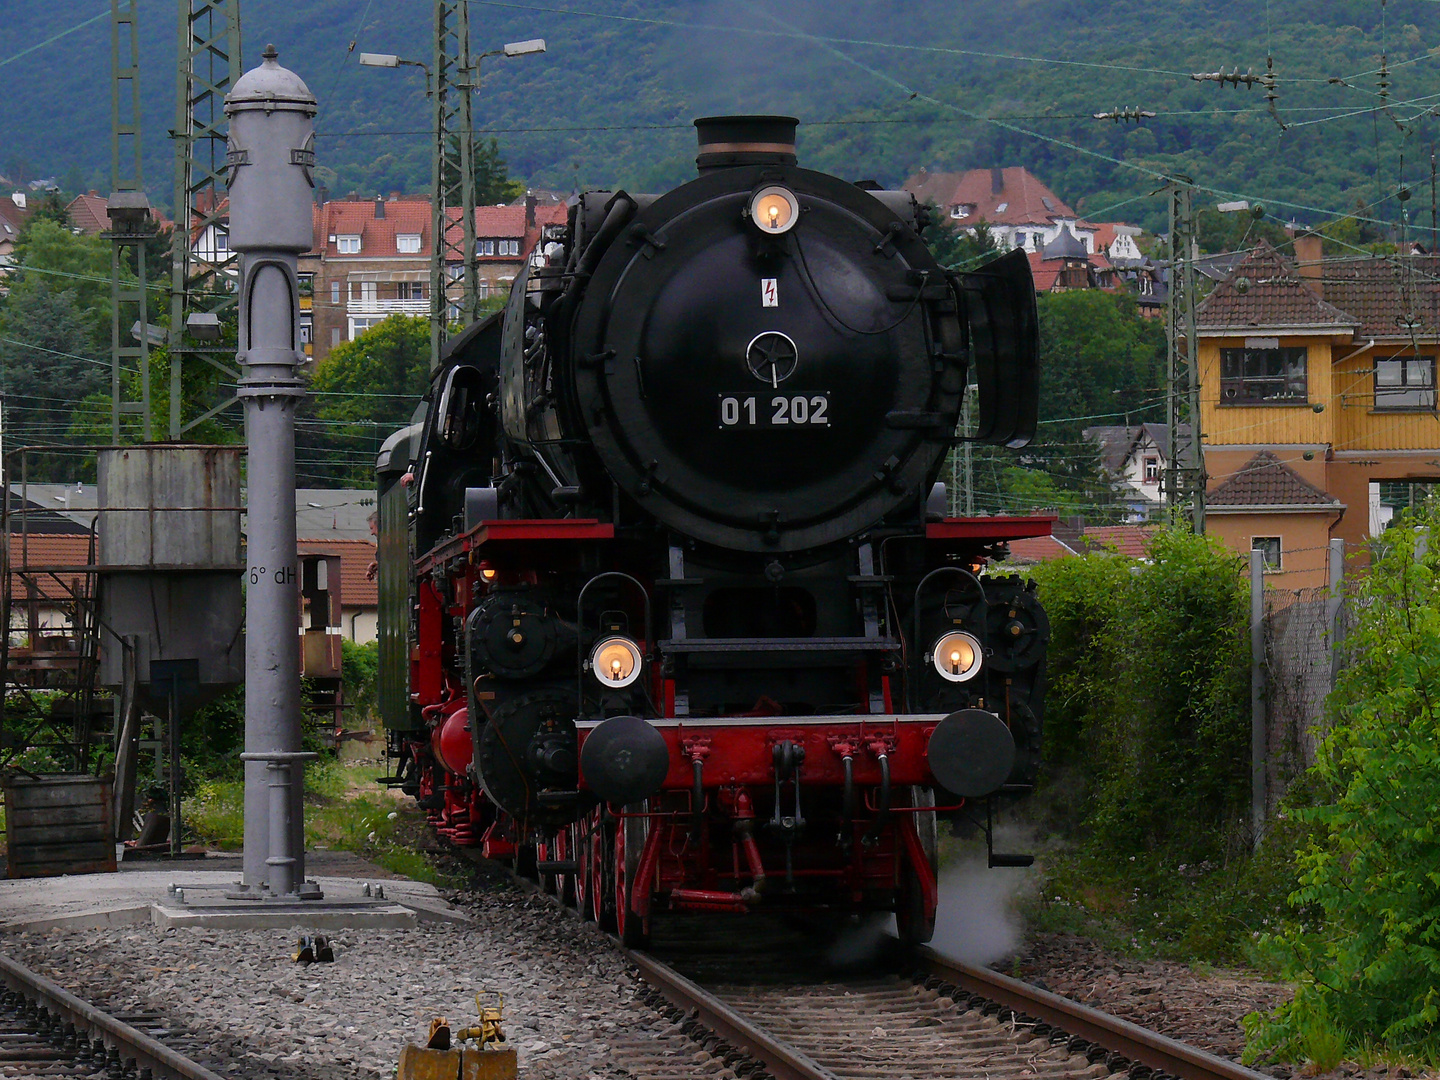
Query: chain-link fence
1303	631
1298	632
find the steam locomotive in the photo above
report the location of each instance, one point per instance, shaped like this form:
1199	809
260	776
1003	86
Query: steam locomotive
672	614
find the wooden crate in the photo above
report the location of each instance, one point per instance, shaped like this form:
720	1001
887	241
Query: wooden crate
58	825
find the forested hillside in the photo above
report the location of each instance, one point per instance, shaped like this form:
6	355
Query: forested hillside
883	88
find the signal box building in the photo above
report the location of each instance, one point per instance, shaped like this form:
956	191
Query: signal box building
1318	401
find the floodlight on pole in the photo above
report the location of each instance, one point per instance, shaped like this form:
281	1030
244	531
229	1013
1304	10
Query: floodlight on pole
375	59
524	48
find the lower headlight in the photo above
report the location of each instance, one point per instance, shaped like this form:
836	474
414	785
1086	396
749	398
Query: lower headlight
956	656
616	662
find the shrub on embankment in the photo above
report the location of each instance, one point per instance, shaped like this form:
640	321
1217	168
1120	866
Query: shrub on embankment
1145	795
1363	943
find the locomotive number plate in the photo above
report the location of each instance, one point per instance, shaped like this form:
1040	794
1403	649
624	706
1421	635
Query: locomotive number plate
778	410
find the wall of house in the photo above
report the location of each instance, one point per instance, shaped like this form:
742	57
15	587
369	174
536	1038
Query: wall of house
1304	540
1352	472
1361	426
360	625
1250	424
1222	462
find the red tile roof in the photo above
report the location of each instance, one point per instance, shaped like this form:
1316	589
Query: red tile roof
1264	291
355	559
508	223
1132	541
87	213
356	217
1265	480
12	219
1037	549
1388	295
48	550
1023	196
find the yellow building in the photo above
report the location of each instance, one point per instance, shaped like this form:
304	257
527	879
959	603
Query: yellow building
1318	401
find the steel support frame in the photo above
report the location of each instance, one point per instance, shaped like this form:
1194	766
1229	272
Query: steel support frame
1184	486
208	65
128	292
452	176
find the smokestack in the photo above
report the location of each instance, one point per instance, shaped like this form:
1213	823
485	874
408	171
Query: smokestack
379	208
1308	253
997	181
726	141
529	210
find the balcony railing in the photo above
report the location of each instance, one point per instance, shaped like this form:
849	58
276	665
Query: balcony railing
388	307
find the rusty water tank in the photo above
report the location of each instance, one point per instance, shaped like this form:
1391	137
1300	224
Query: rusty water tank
170	565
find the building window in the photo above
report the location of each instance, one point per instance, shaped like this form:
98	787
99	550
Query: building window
306	332
1002	208
335	292
1405	382
1262	376
347	245
962	210
509	247
407	243
1021	239
222	241
359	326
484	247
334	336
307	284
1269	547
1152	469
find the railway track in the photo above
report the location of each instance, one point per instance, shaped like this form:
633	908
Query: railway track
857	1010
763	997
47	1031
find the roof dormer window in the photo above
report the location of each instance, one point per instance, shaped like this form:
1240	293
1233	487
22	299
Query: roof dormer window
347	245
962	210
407	243
1002	208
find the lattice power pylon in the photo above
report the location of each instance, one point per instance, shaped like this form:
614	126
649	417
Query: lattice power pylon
129	212
1185	469
452	176
204	282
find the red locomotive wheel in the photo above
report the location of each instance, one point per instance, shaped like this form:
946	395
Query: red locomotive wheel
580	837
543	853
910	920
630	834
561	851
602	874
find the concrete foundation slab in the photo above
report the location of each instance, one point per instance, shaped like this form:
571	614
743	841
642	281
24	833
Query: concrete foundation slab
137	896
252	915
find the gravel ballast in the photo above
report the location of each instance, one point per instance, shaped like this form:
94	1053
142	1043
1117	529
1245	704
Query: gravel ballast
568	994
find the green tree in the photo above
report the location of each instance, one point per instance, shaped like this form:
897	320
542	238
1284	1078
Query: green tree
956	247
492	174
1150	680
1364	947
48	361
1099	362
366	388
49	256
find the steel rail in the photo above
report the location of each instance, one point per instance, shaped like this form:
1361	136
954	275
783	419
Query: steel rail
785	1062
1139	1044
163	1062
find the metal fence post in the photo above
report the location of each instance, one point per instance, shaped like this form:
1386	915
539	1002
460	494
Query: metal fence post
1333	603
1257	694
